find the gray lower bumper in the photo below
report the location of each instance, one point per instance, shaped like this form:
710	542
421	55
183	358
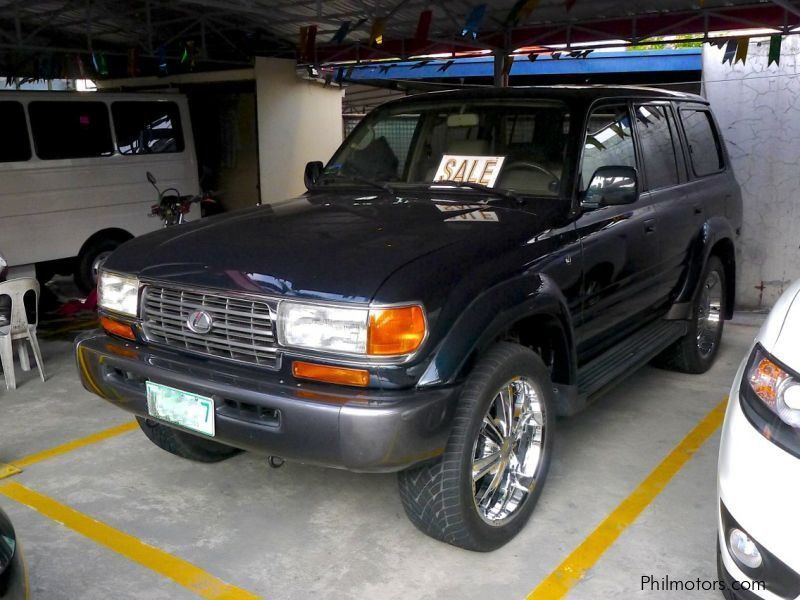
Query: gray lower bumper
355	429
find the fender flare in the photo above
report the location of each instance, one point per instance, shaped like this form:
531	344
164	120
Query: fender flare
492	313
713	231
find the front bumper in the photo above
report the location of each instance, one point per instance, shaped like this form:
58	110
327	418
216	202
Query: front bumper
758	486
351	428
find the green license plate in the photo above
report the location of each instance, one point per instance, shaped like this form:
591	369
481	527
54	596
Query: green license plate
182	408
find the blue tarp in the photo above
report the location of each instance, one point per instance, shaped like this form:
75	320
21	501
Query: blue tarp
645	61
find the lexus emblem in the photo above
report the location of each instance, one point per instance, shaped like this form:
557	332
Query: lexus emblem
200	321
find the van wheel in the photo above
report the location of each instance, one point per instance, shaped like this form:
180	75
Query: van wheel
184	444
696	351
482	490
90	261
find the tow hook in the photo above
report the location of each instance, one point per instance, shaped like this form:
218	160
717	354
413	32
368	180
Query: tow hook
276	462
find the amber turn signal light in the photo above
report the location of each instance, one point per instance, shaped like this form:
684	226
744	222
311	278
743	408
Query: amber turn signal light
328	374
117	328
394	331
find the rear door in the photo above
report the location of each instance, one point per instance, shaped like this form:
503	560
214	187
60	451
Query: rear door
619	243
664	183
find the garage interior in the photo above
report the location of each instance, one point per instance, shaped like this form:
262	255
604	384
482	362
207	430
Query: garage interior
272	85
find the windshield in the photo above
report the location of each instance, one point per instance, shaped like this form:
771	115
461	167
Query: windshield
508	145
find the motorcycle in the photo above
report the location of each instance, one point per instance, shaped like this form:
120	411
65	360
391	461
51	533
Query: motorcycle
172	207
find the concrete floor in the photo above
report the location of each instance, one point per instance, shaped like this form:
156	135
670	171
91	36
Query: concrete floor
303	531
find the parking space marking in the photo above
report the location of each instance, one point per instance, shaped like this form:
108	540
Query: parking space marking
8	470
558	583
74	445
178	570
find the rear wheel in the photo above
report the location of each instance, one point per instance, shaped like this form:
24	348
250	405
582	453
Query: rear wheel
696	351
91	260
184	444
482	491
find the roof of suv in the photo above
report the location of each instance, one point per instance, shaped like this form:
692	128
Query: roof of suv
587	93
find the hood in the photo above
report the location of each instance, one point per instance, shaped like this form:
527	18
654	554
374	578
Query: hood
327	245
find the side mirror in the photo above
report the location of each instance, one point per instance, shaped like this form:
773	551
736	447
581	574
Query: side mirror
151	178
313	173
612	186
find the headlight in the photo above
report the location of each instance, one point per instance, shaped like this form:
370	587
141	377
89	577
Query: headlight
775	386
118	293
393	331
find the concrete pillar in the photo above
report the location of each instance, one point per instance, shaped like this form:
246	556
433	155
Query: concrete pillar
298	121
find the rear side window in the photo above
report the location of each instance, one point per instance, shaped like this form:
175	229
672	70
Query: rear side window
609	142
70	129
704	145
656	131
147	127
14	142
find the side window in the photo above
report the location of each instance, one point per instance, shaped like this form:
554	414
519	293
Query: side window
704	143
14	143
71	129
147	127
609	142
655	129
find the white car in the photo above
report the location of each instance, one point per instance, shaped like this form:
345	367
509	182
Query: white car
759	464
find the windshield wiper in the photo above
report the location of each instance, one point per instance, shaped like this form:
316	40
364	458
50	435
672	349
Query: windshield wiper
361	179
479	187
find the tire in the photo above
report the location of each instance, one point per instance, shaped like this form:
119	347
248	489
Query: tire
696	351
184	444
440	498
85	275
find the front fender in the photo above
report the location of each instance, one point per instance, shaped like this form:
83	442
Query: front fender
489	315
713	231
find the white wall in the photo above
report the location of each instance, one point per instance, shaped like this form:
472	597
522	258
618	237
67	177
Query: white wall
758	109
298	121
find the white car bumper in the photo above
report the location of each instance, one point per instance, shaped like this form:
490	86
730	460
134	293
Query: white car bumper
759	485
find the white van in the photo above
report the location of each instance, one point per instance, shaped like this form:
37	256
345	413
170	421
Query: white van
73	174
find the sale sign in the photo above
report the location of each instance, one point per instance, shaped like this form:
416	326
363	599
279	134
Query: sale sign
469	169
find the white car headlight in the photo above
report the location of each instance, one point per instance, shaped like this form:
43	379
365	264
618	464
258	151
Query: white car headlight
325	328
118	293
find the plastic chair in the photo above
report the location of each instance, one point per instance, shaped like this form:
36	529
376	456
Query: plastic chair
19	329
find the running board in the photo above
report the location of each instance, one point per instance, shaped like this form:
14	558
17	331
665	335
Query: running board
621	360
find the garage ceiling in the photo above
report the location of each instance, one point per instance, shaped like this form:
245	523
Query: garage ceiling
231	32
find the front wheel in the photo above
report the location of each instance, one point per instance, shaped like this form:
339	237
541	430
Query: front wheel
481	492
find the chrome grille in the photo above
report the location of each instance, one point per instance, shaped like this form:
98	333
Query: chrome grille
241	329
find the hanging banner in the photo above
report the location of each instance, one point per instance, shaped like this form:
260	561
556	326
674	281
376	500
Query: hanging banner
473	25
423	26
775	49
446	66
376	34
742	44
521	11
163	67
730	50
308	42
133	62
99	64
508	62
341	33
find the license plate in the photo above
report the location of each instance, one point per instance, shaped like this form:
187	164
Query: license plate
181	408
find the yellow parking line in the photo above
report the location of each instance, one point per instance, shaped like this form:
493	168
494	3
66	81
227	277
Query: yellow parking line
584	557
73	445
178	570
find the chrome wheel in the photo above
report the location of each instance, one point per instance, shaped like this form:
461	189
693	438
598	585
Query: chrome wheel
508	451
709	314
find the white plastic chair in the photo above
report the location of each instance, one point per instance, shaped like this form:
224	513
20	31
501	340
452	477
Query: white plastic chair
19	329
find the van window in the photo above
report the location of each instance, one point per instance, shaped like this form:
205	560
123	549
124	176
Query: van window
14	142
609	142
147	127
704	145
655	129
70	129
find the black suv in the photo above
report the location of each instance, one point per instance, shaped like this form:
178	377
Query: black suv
467	267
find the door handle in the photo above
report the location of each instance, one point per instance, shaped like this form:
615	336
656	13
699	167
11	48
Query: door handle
650	226
698	210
